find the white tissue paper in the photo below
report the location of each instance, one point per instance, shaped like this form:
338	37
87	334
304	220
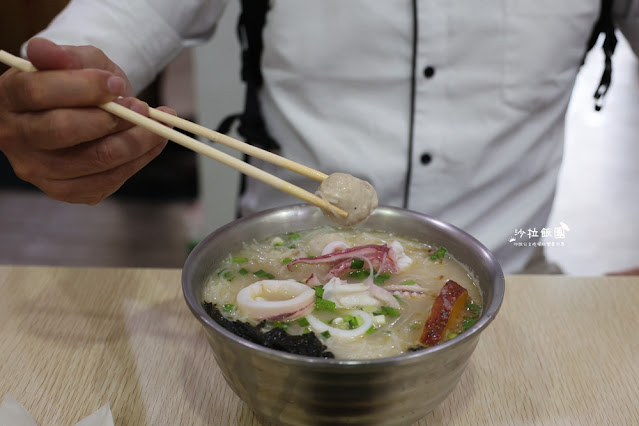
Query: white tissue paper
12	413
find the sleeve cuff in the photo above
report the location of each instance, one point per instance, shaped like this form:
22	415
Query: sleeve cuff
141	47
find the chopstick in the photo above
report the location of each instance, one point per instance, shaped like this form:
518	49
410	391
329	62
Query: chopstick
243	147
206	150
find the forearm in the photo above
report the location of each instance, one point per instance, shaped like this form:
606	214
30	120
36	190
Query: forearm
141	36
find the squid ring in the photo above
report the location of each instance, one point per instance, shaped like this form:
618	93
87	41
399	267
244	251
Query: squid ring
276	300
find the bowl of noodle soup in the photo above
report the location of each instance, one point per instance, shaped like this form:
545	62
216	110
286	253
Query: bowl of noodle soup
393	387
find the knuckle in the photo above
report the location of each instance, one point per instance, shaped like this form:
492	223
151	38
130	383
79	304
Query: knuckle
104	155
27	170
31	95
9	93
69	193
112	123
93	51
61	193
93	199
59	127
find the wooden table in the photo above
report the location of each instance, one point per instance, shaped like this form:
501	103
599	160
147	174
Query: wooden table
563	350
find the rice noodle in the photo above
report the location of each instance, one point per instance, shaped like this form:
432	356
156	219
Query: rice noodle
416	285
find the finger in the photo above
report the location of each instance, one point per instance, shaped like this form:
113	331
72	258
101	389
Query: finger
66	127
38	91
169	111
94	188
46	55
91	157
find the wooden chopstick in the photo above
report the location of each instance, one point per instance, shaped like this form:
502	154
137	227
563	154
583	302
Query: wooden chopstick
243	147
206	150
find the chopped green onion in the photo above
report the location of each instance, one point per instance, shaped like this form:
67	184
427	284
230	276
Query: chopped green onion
303	322
452	335
242	271
279	324
263	274
391	312
370	330
319	291
357	263
358	320
472	306
324	305
326	334
408	282
360	274
398	298
292	246
286	260
381	278
228	307
439	254
240	259
468	322
227	274
293	236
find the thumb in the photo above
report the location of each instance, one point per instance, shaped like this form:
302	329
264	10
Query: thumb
46	55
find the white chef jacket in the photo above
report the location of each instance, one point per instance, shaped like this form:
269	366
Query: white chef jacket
464	121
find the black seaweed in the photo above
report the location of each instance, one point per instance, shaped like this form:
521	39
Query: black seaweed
306	344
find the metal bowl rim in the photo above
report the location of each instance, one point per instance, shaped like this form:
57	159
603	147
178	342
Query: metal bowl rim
205	319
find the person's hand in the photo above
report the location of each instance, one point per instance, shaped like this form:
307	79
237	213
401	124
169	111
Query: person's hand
55	137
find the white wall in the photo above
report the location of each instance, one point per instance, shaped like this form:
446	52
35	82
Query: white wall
218	93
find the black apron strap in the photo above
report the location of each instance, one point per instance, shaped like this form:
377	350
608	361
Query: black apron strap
249	31
605	25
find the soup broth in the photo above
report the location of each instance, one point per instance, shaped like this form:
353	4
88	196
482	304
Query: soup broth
363	293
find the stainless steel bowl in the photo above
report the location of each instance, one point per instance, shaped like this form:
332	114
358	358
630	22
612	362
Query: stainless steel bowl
299	390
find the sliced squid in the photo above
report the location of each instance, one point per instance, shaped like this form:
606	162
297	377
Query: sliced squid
399	256
375	254
349	296
276	300
383	295
334	246
319	326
